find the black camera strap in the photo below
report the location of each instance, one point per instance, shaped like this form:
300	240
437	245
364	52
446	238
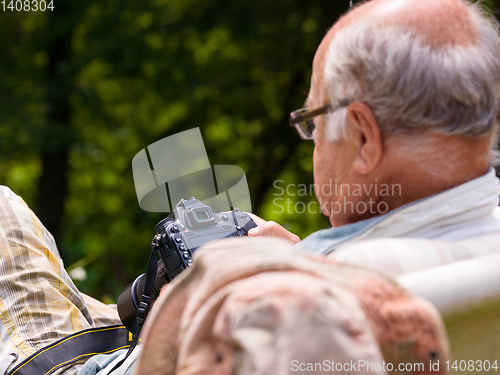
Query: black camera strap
234	218
248	225
145	305
77	346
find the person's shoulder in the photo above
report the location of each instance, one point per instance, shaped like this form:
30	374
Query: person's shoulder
397	256
6	192
496	213
10	200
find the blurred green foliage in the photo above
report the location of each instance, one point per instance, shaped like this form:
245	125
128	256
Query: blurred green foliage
95	82
125	74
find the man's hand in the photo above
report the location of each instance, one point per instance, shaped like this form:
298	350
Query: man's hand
272	229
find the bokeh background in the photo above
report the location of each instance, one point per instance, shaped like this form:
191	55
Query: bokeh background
86	86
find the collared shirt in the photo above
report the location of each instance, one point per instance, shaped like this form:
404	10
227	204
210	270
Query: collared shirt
466	211
39	302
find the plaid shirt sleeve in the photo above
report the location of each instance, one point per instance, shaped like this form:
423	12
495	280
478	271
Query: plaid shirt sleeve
39	302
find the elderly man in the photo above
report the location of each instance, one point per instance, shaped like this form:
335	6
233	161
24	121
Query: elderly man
404	93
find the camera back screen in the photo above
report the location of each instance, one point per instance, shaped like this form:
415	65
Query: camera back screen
194	241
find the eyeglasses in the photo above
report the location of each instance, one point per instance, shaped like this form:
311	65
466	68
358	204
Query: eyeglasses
302	119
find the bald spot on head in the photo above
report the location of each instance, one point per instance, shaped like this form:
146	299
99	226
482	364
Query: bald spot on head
439	23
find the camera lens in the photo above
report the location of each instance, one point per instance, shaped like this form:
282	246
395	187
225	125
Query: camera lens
128	302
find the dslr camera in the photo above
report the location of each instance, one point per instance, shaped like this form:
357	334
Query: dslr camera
189	226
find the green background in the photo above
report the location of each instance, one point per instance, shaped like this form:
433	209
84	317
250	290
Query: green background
85	87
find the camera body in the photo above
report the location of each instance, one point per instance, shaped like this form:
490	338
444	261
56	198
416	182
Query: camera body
189	226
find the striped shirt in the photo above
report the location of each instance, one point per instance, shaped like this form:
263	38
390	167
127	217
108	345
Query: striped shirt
39	302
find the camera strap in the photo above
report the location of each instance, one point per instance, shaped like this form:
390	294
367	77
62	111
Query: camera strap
145	305
77	346
248	225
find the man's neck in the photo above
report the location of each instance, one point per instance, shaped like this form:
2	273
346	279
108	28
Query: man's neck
435	164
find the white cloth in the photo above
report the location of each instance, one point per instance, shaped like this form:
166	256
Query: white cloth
466	211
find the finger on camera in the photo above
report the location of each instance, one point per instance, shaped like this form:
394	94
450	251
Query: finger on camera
258	220
273	229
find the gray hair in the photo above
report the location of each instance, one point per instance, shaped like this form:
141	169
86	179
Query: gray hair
413	87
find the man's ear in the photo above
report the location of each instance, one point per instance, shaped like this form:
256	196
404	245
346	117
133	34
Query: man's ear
366	137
